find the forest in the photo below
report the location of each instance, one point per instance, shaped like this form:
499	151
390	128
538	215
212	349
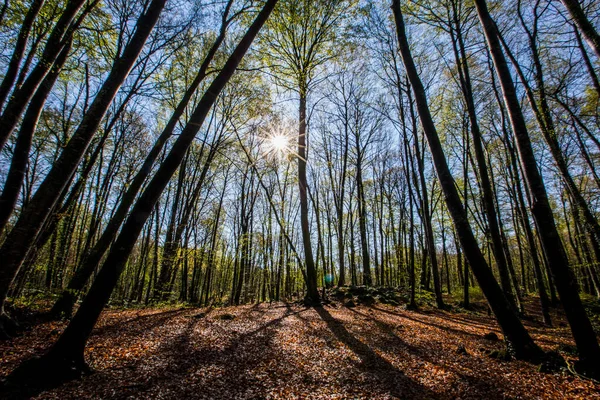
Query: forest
289	199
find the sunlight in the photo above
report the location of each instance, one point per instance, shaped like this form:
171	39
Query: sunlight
278	143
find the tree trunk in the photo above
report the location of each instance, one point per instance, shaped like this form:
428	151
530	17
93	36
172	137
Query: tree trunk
56	41
22	236
66	356
64	305
15	61
583	333
18	165
518	339
584	24
311	272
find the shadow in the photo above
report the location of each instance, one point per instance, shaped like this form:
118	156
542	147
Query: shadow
396	383
146	321
484	385
433	324
178	367
185	360
388	330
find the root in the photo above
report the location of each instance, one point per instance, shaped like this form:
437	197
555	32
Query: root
584	371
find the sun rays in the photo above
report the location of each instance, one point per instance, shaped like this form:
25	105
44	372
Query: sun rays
278	142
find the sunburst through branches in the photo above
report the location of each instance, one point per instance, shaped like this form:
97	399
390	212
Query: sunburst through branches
278	142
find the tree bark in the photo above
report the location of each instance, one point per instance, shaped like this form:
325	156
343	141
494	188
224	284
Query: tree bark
518	339
22	236
583	333
584	24
66	356
309	261
19	99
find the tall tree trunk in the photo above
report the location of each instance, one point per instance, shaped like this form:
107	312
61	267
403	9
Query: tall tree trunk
18	165
543	116
362	224
66	356
309	261
56	41
15	60
518	339
22	236
64	304
584	24
478	146
583	333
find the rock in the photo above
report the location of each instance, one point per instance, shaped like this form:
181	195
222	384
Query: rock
499	355
366	299
491	336
350	304
358	290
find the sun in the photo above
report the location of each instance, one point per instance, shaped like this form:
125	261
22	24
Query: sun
279	143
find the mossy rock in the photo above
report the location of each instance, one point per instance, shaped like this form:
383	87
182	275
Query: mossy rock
339	294
366	299
358	290
389	301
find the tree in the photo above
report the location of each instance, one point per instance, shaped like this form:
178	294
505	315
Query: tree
65	358
22	236
584	24
298	38
518	340
583	333
58	38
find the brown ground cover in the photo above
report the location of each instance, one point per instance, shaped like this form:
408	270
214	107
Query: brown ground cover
282	351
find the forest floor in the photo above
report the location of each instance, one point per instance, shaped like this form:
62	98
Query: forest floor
287	351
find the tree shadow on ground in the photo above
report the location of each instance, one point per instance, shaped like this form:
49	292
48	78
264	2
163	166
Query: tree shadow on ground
186	361
483	385
176	368
145	322
431	323
395	381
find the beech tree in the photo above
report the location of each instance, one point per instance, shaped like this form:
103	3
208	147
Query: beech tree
361	154
65	358
517	337
583	333
301	34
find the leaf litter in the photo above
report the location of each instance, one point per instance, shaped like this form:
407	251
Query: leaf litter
287	351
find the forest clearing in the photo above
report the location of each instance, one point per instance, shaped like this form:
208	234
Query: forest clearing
300	198
289	351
